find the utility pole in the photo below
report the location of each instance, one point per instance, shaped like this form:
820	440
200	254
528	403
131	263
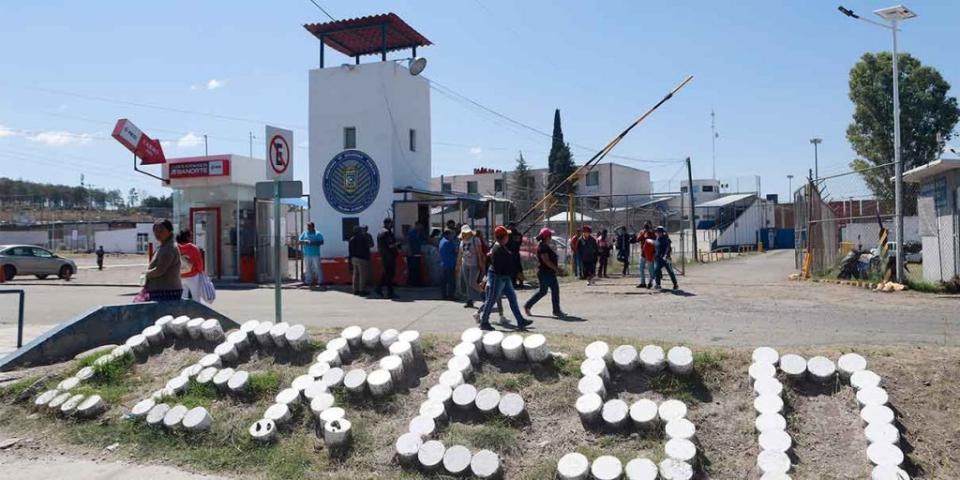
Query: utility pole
713	143
693	220
206	151
816	159
790	185
251	144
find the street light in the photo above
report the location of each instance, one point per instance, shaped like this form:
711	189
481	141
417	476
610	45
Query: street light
816	161
893	15
790	183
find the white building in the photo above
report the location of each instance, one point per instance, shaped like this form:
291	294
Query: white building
938	209
125	240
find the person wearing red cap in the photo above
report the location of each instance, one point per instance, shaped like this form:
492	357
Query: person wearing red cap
546	274
648	245
500	280
588	249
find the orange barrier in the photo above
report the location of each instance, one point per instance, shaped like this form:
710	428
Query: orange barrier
336	271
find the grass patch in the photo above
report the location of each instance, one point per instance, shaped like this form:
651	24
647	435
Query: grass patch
707	360
88	360
505	381
16	388
492	436
566	367
112	372
265	383
198	395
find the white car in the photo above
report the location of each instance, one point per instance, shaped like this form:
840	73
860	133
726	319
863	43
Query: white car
31	260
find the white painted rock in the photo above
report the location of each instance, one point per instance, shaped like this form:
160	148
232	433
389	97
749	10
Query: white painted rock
822	369
407	447
227	352
573	466
680	428
334	377
336	433
297	337
70	406
451	378
154	336
262	333
278	334
174	416
768	386
405	351
206	375
473	335
872	414
491	344
768	404
606	467
302	382
614	414
625	358
644	414
423	426
329	357
138	344
178	326
512	347
888	472
850	363
177	384
413	338
872	396
210	360
671	469
485	464
318	369
511	405
487	401
443	394
769	461
141	408
652	358
164	324
430	455
461	364
469	350
793	365
592	384
595	366
388	337
156	414
885	454
263	430
599	349
321	403
197	419
770	422
68	384
672	410
864	378
380	382
393	364
341	346
193	328
776	440
84	373
44	398
355	381
211	330
352	335
588	407
238	382
680	449
249	327
641	469
680	360
56	402
91	406
278	413
762	371
191	371
464	397
766	355
222	377
456	460
287	396
882	433
370	338
434	410
535	348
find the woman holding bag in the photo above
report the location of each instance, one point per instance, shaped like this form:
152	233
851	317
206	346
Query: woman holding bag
162	278
191	266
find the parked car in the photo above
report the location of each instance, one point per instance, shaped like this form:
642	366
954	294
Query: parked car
30	260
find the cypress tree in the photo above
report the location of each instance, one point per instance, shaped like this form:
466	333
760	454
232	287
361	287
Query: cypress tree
560	162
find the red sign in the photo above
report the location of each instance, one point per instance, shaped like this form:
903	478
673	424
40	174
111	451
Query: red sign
200	168
148	149
279	154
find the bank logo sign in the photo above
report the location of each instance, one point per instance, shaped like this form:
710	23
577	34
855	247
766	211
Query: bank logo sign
351	182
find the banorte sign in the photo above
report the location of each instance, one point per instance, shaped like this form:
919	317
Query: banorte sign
148	149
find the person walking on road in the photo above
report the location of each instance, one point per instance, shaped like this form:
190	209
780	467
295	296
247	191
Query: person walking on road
358	249
500	281
664	248
546	274
100	254
647	239
311	240
574	249
448	260
472	262
389	250
588	250
162	278
625	242
514	245
603	243
191	266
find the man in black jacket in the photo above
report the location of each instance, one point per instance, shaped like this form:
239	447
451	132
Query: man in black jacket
359	259
388	247
664	249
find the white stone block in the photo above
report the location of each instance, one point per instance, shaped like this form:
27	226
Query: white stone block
206	375
625	358
212	331
174	417
164	323
141	408
872	414
776	440
592	384
606	467
353	335
44	398
156	414
262	333
413	338
769	461
334	377
430	455
653	358
287	396
355	381
485	464
863	379
491	344
210	360
370	338
405	351
84	373
599	349
456	460
888	472
762	371
487	401
451	378
882	433
177	384
443	394
278	413
794	366
614	414
770	422
822	369
462	364
850	363
154	336
278	334
407	447
67	408
464	397
680	449
227	352
193	328
321	403
512	346
301	382
239	382
248	328
573	466
178	326
675	470
641	469
331	414
337	433
768	404
222	377
434	410
872	396
68	383
197	419
263	430
318	369
137	343
422	426
766	355
297	337
330	357
469	350
672	410
680	360
91	406
512	405
680	428
768	386
535	348
595	366
388	337
473	335
885	454
314	389
588	407
644	414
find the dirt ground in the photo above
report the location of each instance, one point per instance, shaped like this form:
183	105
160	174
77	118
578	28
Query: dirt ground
829	444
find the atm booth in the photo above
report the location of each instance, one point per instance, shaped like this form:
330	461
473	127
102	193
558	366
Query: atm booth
215	197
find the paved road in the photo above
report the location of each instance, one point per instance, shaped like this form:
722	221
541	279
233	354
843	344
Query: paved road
746	301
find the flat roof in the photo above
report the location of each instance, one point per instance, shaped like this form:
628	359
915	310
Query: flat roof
936	167
368	35
728	200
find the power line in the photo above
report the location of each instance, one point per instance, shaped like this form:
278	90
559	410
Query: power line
322	10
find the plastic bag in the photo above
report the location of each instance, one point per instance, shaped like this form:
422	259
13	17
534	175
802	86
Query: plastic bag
141	296
207	291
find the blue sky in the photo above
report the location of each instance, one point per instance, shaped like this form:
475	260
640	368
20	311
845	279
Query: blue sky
775	72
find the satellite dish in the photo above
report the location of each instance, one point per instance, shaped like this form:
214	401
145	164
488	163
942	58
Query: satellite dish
416	65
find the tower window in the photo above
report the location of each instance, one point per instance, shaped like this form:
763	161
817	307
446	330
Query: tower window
349	137
413	140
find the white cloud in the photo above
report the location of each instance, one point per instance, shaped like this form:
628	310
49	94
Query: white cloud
214	84
189	140
6	132
60	138
476	151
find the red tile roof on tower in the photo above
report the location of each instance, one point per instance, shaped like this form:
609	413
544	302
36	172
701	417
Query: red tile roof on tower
363	36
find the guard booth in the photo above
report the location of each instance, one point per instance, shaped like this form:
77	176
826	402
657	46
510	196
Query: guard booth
214	196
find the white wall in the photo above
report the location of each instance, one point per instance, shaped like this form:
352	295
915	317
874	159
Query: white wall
123	240
383	101
38	238
744	230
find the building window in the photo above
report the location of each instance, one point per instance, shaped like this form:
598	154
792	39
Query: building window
593	179
447	187
349	138
142	240
683	189
707	188
498	185
531	183
472	187
413	140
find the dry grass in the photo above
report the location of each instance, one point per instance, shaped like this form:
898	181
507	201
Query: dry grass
922	382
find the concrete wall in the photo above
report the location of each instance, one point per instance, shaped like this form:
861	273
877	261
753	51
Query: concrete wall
109	324
123	240
38	238
940	230
869	232
383	102
745	228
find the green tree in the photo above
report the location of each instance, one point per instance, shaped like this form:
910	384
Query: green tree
522	192
927	118
560	161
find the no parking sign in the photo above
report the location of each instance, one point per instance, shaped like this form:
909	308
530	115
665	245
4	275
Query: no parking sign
279	153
